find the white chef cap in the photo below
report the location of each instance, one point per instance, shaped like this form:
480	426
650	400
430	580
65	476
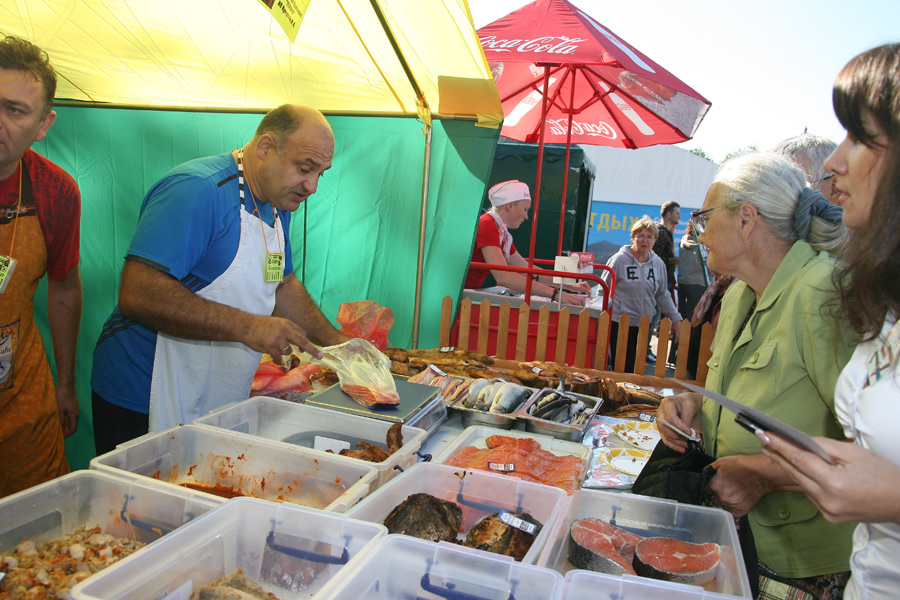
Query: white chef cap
508	191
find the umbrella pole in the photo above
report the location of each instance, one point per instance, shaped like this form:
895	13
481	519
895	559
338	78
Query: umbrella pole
423	218
537	182
562	210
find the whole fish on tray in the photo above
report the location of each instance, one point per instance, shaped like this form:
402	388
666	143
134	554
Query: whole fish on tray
561	408
496	396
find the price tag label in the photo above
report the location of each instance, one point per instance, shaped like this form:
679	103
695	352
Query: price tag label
536	369
274	267
514	521
7	265
505	467
447	348
646	418
324	444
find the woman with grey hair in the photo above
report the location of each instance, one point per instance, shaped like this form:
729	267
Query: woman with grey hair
808	152
776	349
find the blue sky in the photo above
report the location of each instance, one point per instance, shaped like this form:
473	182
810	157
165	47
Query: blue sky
767	66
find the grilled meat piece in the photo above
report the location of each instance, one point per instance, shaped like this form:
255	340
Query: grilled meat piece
394	437
367	451
236	586
396	354
426	517
495	536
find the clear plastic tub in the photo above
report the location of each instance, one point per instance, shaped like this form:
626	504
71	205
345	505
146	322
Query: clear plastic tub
217	461
654	517
477	436
289	550
403	567
311	427
430	416
124	508
586	585
477	493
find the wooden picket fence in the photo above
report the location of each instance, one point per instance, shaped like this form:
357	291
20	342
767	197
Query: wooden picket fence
584	349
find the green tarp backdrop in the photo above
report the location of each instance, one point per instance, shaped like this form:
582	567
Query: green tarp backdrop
360	229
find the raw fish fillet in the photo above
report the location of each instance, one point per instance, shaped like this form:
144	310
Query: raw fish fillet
270	378
368	396
524	443
531	463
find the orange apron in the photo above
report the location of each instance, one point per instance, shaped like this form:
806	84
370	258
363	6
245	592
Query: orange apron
31	437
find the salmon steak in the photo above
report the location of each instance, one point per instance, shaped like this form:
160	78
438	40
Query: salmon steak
675	560
598	546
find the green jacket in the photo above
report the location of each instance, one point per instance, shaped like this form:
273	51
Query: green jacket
785	363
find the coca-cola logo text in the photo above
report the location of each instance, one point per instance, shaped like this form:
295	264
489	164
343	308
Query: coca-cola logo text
548	44
598	129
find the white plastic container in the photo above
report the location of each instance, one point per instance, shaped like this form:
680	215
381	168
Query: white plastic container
430	416
90	498
221	461
289	550
403	567
313	427
127	508
654	517
586	585
477	493
477	436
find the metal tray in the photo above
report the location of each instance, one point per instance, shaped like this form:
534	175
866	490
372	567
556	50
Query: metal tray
560	431
471	417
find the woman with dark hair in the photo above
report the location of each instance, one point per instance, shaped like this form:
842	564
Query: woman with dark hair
862	483
777	349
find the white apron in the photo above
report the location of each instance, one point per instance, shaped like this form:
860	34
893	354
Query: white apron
192	377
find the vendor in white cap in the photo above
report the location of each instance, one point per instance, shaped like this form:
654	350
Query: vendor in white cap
511	201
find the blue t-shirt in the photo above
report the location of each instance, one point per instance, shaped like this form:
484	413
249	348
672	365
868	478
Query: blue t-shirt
189	228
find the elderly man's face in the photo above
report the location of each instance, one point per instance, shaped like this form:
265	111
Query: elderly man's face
288	178
22	121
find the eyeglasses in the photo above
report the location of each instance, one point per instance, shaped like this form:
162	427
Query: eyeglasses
699	217
645	236
818	182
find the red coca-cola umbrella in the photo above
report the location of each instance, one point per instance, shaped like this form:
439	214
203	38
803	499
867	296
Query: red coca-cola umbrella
565	78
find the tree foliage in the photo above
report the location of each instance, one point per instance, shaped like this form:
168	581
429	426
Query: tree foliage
739	151
701	153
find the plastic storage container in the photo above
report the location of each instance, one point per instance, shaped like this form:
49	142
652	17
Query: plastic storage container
430	416
477	493
120	507
216	461
403	567
654	517
306	426
289	550
585	585
477	436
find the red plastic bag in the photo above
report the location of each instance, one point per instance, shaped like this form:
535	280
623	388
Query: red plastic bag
366	319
